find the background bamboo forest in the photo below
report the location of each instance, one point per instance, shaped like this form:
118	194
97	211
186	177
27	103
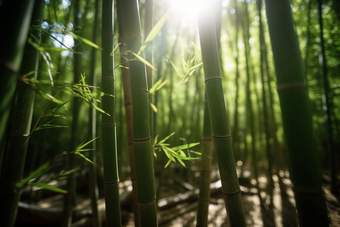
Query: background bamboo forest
169	113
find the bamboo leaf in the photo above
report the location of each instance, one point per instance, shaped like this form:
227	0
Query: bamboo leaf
153	107
169	161
155	141
180	161
154	87
48	126
48	187
86	41
166	138
185	146
143	60
175	68
32	175
114	49
82	145
154	32
84	157
50	97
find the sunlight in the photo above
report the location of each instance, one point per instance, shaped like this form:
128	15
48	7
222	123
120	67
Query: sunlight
188	8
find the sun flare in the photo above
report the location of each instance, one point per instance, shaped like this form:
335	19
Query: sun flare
188	8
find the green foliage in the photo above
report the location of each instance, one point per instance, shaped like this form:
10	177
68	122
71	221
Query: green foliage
175	153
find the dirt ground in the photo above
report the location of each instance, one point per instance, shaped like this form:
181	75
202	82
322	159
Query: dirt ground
182	209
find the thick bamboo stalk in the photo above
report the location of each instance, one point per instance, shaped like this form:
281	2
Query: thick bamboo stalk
17	145
15	17
219	122
297	120
146	196
111	177
128	109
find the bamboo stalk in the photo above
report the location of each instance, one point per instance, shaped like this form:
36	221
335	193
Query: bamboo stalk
15	16
93	184
146	197
128	109
205	171
69	198
13	166
219	122
297	120
111	177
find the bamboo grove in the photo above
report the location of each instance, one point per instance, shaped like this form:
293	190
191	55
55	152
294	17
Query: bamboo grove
126	103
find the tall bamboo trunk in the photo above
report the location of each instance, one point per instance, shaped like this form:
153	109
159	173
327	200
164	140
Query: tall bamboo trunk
297	120
219	122
111	177
128	109
146	197
93	184
69	198
15	155
205	169
148	53
323	65
249	103
15	17
264	102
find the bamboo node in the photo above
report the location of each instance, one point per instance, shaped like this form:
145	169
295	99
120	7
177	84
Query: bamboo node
294	86
232	193
213	78
108	78
145	90
21	135
112	182
105	125
107	34
131	34
222	137
9	66
141	139
147	202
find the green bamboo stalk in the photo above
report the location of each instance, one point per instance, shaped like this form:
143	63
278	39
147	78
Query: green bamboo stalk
264	101
69	198
15	16
93	185
128	109
111	177
250	110
219	122
323	64
235	129
148	53
205	169
146	197
13	166
297	121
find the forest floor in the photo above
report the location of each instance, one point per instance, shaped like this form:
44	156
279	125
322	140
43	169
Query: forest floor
178	206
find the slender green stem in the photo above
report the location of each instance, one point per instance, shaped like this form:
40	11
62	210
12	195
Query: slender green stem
219	122
111	177
146	196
